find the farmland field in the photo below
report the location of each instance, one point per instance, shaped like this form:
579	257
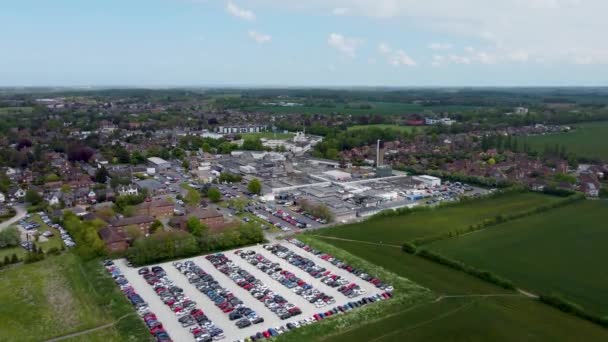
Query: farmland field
406	129
383	108
16	110
268	135
499	318
399	229
62	295
586	141
558	251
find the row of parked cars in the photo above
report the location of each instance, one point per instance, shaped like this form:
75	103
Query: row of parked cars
65	236
287	279
272	332
152	322
350	290
338	263
273	301
189	316
223	299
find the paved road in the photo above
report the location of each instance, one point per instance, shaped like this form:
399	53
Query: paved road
21	212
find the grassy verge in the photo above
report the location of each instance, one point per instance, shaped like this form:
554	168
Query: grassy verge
479	311
406	294
62	295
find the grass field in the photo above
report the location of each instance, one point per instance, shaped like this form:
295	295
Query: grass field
586	141
62	295
399	229
406	129
53	241
507	318
382	108
559	251
268	135
15	110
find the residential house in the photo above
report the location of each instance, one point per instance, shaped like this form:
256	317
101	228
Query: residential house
210	217
156	208
114	240
142	222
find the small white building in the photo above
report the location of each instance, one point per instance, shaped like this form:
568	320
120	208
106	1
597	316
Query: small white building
159	164
338	175
2	198
429	181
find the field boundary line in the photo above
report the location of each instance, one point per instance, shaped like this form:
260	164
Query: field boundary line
87	331
359	241
416	326
440	298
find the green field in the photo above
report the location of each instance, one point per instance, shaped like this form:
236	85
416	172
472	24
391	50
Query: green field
62	295
475	318
16	110
399	229
586	141
559	251
268	135
53	241
406	129
382	108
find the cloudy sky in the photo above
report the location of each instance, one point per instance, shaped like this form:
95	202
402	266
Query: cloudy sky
304	43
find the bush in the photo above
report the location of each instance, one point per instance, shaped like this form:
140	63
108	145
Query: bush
162	246
409	248
457	265
9	237
573	309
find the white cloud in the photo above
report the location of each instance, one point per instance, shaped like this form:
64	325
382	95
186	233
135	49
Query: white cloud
400	58
340	11
384	48
259	37
347	46
239	12
395	57
440	46
542	28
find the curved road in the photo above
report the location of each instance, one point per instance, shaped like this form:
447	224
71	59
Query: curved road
21	212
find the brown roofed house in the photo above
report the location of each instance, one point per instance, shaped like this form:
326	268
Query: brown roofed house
208	216
114	240
143	222
156	208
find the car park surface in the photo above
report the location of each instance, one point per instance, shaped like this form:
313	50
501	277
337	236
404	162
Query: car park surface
272	324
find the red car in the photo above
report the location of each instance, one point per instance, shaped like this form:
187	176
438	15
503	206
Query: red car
157	329
266	334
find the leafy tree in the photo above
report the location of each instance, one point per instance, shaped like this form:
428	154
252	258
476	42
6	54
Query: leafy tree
254	186
193	197
101	176
156	225
9	237
33	197
195	227
253	144
214	195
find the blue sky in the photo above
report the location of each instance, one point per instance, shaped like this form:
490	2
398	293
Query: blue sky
303	43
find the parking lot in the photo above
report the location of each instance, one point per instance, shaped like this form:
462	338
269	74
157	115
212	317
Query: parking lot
251	291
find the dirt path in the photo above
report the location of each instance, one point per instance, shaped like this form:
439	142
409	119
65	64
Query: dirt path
21	212
440	298
359	241
88	331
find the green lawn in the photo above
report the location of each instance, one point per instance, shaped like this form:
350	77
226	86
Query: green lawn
382	108
53	241
559	251
406	129
268	135
513	318
62	295
588	140
16	110
399	229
